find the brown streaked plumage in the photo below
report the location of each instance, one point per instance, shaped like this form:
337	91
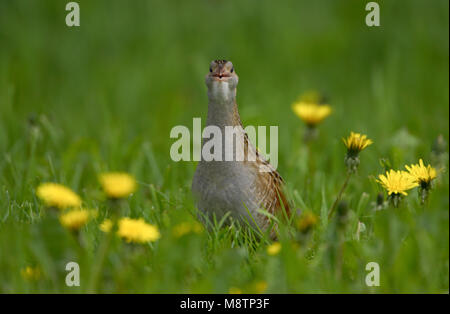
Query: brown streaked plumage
238	186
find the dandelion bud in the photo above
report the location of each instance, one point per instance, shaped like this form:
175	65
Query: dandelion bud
342	208
352	163
439	145
423	194
394	199
439	155
342	211
31	273
385	164
360	229
380	199
306	222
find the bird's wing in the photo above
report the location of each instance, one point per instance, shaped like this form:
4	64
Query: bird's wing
269	189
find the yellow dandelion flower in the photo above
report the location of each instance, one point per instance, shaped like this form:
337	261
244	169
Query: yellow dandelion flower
397	182
181	229
117	184
311	96
260	286
422	175
133	230
274	248
234	290
106	225
311	113
356	142
307	221
186	228
137	230
197	227
30	273
57	195
75	219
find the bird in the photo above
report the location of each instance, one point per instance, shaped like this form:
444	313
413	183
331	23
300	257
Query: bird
238	187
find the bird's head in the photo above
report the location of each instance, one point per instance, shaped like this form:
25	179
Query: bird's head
221	73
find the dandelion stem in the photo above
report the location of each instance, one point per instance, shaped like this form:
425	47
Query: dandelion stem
101	256
338	198
97	267
309	172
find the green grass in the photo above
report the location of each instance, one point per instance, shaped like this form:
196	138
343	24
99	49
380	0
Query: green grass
78	101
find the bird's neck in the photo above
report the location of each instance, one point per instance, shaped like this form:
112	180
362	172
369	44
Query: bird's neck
222	107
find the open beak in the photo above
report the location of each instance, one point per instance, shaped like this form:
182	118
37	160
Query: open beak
221	75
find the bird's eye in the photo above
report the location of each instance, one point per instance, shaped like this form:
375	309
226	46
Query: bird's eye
210	69
232	70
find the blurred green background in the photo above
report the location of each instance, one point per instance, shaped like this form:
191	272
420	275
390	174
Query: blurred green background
105	95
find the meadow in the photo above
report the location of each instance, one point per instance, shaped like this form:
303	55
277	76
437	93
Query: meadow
77	102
